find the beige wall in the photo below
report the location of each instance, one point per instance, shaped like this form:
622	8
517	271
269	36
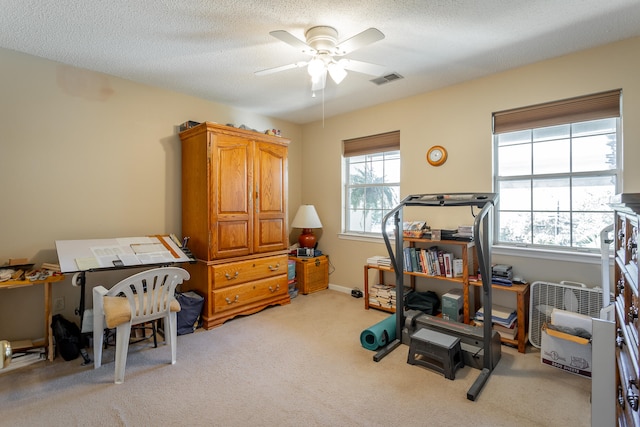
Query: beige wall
86	155
459	117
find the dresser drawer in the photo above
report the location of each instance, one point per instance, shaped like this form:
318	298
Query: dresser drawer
235	273
628	387
232	297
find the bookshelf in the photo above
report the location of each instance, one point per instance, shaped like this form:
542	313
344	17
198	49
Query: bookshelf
467	252
469	287
522	313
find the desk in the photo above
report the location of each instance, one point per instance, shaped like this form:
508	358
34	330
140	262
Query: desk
48	335
102	254
81	256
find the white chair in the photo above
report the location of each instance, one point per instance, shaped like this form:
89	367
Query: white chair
138	299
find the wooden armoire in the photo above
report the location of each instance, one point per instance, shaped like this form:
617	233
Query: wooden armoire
234	211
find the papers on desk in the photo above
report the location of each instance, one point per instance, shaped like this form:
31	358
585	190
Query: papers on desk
127	252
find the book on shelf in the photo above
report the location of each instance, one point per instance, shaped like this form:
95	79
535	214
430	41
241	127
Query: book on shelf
505	332
448	234
458	267
382	290
379	260
414	260
464	232
441	263
500	315
406	252
448	264
381	295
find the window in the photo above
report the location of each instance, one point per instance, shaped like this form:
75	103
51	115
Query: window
371	181
556	167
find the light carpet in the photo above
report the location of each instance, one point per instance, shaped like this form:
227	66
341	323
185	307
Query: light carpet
295	365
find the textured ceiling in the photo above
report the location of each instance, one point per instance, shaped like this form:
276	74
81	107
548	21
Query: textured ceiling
211	49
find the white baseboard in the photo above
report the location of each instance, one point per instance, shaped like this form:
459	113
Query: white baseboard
340	288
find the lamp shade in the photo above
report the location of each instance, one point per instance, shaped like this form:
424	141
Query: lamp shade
306	217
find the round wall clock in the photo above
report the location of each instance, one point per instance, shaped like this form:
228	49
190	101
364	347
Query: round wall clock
436	155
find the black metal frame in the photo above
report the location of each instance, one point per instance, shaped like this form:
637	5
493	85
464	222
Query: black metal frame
482	239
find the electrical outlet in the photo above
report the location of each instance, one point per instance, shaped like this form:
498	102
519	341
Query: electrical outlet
58	304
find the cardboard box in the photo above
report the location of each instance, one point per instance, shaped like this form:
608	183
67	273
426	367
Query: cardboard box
567	352
452	305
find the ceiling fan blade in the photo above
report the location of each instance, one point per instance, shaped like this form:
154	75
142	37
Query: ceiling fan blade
362	39
362	67
293	41
280	68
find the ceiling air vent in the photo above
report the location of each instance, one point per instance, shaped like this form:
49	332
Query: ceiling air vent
387	78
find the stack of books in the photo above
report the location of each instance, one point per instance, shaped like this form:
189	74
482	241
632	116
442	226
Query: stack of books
382	296
504	320
448	234
25	357
379	260
415	228
465	232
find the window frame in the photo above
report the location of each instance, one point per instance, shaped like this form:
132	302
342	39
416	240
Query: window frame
559	113
385	145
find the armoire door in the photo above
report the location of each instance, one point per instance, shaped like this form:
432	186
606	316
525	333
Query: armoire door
270	197
232	205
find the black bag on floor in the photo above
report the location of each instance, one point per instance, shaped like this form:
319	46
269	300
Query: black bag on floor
189	315
427	302
67	336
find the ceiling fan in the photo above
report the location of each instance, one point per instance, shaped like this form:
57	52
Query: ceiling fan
326	54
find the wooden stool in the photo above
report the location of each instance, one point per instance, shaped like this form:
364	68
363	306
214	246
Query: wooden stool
436	351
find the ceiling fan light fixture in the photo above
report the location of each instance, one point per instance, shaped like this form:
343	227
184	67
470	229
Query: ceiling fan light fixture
337	72
322	44
318	82
316	68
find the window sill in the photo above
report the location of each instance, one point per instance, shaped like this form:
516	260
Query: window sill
550	255
363	237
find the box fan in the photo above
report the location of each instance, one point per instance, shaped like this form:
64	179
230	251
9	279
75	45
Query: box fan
570	296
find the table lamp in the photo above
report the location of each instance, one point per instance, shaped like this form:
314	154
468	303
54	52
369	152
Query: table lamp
306	218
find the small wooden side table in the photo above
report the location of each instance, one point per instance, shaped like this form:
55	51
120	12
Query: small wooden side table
48	335
312	274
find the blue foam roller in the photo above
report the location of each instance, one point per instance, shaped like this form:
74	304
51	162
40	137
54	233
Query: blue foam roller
379	334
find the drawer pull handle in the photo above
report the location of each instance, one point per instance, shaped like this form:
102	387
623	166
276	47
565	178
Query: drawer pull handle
620	285
620	397
274	290
276	268
230	277
633	313
632	397
237	299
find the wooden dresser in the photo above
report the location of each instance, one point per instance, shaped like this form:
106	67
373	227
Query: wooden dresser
627	210
234	211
